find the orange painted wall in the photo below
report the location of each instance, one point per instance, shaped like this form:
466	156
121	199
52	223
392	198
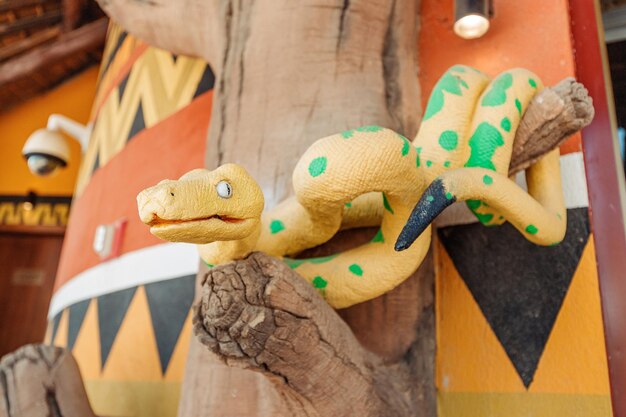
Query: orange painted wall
73	99
533	34
475	377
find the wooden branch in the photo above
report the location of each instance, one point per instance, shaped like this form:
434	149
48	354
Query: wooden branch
86	38
551	118
257	313
42	381
188	27
51	17
28	43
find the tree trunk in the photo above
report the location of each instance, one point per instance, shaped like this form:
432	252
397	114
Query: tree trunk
42	381
289	73
292	73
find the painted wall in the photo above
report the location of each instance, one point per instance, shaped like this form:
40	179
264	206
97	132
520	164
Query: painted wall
73	99
519	327
127	319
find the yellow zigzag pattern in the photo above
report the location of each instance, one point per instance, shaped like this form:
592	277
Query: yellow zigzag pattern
42	214
160	84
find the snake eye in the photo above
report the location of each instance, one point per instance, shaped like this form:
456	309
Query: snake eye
224	189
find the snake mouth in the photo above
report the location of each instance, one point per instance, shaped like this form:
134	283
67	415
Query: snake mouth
159	222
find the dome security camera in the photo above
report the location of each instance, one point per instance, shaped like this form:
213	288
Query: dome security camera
45	151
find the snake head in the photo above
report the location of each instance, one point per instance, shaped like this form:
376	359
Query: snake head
203	206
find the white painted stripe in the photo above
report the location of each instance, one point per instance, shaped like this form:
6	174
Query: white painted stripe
151	264
574	191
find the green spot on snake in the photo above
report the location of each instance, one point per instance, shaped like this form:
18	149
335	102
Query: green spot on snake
449	196
369	129
406	146
446	164
506	124
518	104
473	204
430	198
487	180
484	218
293	263
449	83
322	259
379	238
417	160
496	96
484	141
276	226
319	282
386	204
532	83
317	166
208	264
531	229
356	270
348	204
347	134
448	140
429	163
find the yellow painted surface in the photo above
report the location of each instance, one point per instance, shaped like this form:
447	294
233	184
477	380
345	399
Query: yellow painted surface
523	405
469	356
134	355
60	338
475	377
574	360
176	368
86	349
72	99
154	399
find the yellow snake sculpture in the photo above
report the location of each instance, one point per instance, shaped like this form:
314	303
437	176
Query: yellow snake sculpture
461	153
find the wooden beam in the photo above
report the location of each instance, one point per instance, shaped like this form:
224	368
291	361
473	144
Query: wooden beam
84	39
31	22
28	43
72	13
9	5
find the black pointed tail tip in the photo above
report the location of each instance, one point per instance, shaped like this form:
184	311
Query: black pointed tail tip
434	200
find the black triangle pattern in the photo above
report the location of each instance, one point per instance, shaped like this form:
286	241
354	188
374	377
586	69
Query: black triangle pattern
96	163
518	286
55	326
77	315
138	123
207	81
122	87
114	51
111	311
169	302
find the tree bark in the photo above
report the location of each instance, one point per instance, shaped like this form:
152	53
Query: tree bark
42	381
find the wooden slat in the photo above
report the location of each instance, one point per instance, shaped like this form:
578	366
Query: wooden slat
6	6
607	197
48	18
84	39
28	43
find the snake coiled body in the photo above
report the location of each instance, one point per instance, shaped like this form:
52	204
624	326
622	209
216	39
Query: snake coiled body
462	152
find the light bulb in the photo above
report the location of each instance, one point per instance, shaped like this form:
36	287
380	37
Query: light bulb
471	26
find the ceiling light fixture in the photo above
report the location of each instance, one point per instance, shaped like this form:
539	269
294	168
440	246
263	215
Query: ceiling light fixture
471	18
